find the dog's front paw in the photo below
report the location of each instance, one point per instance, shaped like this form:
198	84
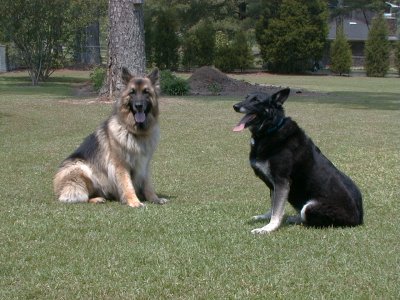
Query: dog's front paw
136	204
259	231
266	229
160	201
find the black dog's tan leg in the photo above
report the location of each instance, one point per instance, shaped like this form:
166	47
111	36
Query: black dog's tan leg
280	195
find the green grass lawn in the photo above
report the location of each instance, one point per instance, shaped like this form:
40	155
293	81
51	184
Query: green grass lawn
199	245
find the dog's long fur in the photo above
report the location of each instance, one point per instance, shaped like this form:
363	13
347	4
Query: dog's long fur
113	162
294	169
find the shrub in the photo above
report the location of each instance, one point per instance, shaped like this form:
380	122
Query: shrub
225	58
233	55
199	45
244	56
173	85
215	88
340	54
97	77
377	48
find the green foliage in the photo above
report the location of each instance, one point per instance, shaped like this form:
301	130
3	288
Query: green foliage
292	35
233	55
215	88
162	45
42	31
37	30
242	49
377	48
173	85
199	45
341	59
97	77
225	58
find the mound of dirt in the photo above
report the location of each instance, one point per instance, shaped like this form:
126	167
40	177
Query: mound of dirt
207	81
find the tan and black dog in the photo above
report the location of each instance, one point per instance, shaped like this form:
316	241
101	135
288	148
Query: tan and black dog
113	162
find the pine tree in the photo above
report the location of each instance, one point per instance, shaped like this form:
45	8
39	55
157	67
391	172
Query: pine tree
292	34
377	48
166	41
341	59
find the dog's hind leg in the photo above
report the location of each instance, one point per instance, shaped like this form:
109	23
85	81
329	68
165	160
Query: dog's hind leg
294	220
319	214
265	216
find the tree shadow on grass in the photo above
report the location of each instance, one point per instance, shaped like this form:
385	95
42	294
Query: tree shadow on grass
21	85
25	80
355	100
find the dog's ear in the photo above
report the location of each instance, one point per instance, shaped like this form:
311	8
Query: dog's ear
154	77
126	76
280	97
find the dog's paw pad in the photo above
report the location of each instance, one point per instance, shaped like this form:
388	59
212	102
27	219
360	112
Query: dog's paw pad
259	231
97	200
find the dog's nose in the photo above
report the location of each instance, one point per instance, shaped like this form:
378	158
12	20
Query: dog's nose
139	106
236	107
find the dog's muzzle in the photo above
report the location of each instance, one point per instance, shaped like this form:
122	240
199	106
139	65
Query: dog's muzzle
138	109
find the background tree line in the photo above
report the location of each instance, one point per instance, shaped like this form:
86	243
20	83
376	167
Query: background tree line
289	35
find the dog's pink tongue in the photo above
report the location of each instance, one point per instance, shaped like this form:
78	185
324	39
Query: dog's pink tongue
242	123
140	117
239	127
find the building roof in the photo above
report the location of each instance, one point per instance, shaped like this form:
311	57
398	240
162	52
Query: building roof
355	30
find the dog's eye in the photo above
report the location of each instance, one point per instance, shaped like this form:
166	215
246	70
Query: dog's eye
146	91
133	92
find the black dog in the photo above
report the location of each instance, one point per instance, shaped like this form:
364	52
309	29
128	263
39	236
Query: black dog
294	169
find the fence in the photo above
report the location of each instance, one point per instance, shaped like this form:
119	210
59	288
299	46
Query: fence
3	61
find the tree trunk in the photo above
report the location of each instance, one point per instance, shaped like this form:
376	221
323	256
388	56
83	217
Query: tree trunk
125	43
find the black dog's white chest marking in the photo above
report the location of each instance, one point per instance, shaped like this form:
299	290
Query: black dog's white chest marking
261	167
264	168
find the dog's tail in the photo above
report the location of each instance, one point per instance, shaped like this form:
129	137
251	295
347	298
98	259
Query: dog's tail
72	183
